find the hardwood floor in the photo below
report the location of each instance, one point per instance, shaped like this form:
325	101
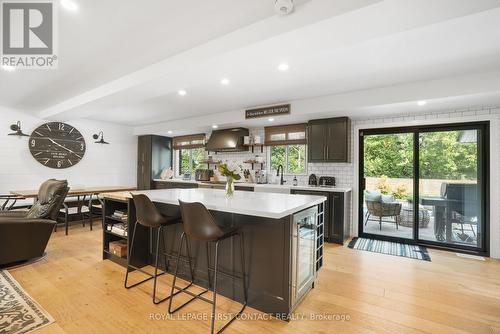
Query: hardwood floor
378	293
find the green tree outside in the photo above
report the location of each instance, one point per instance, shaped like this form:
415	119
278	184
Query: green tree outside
442	156
296	158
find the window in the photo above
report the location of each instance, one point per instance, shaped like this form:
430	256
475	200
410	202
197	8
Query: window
190	160
291	157
288	147
191	152
285	134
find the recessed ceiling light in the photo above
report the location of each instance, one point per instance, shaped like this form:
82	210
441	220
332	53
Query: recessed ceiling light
182	92
422	103
283	67
225	81
8	68
215	126
169	132
271	119
69	5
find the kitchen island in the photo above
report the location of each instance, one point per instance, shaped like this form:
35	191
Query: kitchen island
283	242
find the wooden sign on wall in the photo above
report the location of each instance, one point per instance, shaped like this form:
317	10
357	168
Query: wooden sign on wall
283	109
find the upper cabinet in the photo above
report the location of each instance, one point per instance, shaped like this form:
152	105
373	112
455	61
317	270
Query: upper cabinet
329	140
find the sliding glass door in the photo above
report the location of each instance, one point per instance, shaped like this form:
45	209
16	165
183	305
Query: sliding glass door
388	174
425	185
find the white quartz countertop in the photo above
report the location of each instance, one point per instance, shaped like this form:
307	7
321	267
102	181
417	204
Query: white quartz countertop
270	186
260	204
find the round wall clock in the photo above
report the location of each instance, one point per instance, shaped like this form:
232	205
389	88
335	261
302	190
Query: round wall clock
57	145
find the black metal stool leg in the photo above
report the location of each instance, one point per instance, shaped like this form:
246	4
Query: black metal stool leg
216	262
136	268
129	255
80	204
188	251
184	289
208	264
156	265
183	235
212	301
243	278
160	234
90	212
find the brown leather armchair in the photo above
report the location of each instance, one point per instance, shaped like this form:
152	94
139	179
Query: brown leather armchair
25	234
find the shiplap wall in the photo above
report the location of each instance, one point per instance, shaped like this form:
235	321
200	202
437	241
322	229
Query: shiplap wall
113	164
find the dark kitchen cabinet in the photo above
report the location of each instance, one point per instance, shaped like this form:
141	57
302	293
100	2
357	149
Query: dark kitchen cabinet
340	226
173	185
328	140
154	155
337	214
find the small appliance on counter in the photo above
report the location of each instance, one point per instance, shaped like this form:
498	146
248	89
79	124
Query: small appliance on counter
186	176
313	181
167	173
260	177
203	174
327	181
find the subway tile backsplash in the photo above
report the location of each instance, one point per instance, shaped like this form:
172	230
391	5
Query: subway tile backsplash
344	172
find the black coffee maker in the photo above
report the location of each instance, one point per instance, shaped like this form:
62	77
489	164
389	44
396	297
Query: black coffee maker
313	180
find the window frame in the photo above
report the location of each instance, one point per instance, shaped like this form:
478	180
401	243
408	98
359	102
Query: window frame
285	168
190	162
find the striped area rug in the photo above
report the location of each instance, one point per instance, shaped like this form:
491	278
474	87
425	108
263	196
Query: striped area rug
391	248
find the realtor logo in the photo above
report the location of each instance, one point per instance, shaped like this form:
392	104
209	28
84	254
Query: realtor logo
28	34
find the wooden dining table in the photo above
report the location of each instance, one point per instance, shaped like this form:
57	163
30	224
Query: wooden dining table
76	191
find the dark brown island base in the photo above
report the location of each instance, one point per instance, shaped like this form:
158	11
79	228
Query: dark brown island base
283	242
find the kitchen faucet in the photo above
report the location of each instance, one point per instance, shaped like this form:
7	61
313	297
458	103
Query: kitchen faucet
278	174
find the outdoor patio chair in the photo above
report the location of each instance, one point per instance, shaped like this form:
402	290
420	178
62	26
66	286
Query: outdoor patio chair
381	206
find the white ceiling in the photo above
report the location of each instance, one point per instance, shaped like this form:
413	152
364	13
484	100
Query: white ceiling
105	40
347	57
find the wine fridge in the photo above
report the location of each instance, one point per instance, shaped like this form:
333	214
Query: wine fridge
303	251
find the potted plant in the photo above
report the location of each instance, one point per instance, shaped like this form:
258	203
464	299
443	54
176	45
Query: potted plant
232	172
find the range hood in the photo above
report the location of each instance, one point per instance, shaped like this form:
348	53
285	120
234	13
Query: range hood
227	140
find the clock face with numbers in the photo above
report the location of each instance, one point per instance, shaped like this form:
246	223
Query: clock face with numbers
57	145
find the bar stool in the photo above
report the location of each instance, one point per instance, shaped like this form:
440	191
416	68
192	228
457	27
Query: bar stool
149	217
199	224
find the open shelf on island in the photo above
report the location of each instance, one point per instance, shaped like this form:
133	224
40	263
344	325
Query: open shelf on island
116	219
140	256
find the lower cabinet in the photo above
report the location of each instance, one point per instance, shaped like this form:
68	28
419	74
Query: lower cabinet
243	188
172	185
341	218
337	217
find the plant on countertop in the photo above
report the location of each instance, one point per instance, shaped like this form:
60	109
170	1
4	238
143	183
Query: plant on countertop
232	171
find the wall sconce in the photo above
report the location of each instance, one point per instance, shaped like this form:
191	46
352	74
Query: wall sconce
100	141
17	130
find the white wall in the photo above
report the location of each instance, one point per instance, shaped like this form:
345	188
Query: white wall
102	165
